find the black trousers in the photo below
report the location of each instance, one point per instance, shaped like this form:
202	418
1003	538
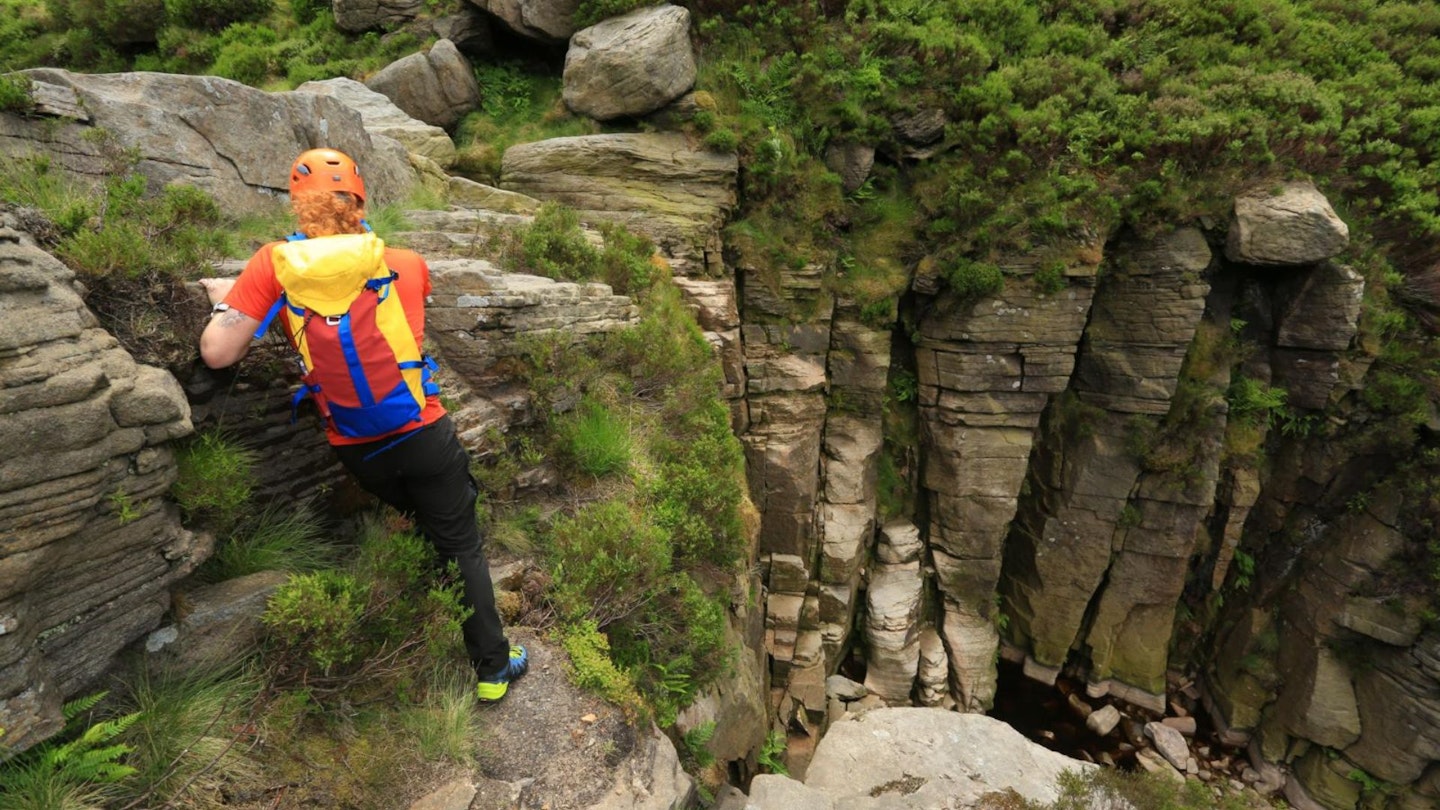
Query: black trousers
426	476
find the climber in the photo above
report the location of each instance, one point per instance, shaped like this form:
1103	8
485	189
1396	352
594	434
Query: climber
354	310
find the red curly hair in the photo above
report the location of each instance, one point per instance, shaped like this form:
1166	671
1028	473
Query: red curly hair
326	213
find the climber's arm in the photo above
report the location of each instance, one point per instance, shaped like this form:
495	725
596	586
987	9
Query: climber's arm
227	338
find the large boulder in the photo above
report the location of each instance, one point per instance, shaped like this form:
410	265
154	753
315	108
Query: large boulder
356	16
198	130
630	65
88	544
548	21
1292	224
914	759
382	116
469	28
437	87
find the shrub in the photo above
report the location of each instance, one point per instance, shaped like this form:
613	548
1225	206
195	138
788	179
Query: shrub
606	562
15	94
591	667
364	626
116	21
697	488
971	279
675	644
595	439
320	612
1050	278
554	246
214	15
1111	789
307	11
627	261
722	139
215	479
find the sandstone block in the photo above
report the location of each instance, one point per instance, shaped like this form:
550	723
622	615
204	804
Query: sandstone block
630	65
1292	224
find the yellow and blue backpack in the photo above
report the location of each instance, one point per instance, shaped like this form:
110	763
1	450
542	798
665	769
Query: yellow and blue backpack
359	359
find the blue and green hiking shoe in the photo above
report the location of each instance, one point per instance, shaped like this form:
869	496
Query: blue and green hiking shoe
493	687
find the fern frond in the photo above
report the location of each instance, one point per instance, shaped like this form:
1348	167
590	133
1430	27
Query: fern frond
80	705
100	765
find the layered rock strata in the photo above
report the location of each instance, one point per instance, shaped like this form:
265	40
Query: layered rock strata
1090	519
986	371
88	547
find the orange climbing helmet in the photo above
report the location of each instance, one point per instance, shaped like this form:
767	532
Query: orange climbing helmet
326	170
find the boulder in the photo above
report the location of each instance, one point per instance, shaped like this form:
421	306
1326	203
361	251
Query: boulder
355	16
468	193
381	116
899	542
200	130
477	312
775	792
630	65
437	87
548	21
1170	743
469	28
852	161
921	127
1292	224
1103	720
89	546
917	758
221	623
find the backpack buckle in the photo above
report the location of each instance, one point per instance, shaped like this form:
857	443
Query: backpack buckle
333	320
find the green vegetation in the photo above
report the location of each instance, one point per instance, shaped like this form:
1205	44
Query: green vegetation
1091	115
215	479
15	94
361	625
1111	789
277	538
183	748
258	42
519	104
772	753
590	12
657	530
592	667
80	767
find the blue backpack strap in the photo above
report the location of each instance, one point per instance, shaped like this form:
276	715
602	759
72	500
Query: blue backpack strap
381	286
275	308
300	395
270	316
428	367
